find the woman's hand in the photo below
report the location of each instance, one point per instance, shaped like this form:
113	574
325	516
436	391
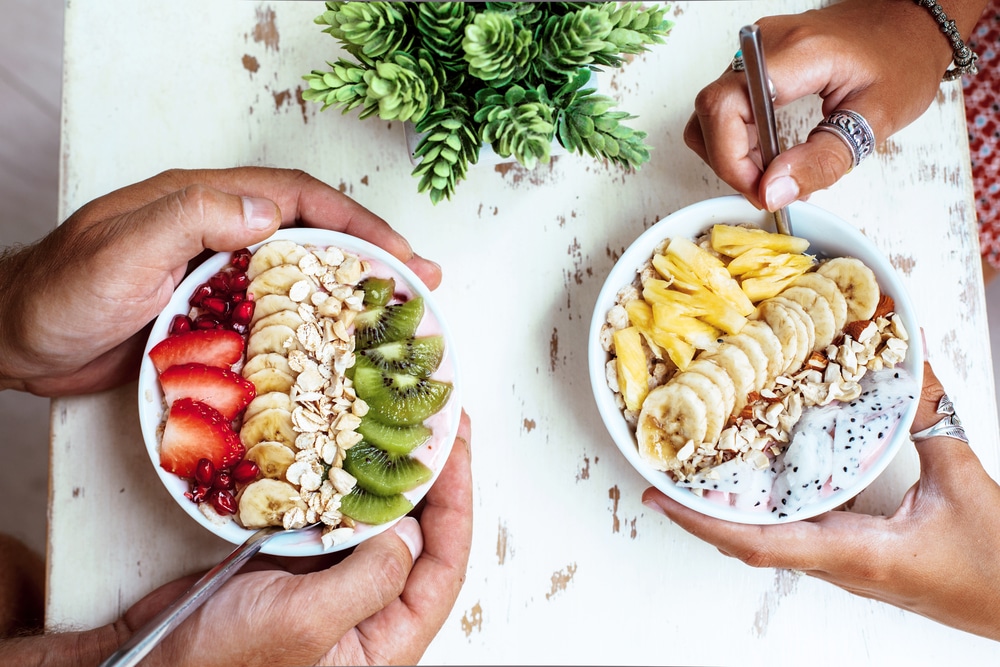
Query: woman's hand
881	58
74	306
938	555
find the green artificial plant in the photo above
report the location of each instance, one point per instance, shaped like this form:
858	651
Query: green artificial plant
513	75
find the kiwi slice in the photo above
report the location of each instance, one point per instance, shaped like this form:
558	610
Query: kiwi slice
384	474
378	291
396	440
399	399
368	508
416	356
396	321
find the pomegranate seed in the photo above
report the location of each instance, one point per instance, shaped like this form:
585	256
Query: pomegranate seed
180	324
201	293
245	471
215	305
241	329
243	312
206	321
241	259
223	480
198	493
238	282
220	282
204	472
237	297
223	501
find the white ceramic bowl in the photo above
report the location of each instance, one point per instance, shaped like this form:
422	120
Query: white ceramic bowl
434	452
829	236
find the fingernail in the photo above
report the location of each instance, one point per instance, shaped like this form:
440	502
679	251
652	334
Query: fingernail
781	192
651	504
409	531
259	213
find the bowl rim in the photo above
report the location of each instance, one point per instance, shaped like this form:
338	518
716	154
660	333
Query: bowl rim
150	395
696	218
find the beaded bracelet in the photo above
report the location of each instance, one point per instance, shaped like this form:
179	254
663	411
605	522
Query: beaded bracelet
964	58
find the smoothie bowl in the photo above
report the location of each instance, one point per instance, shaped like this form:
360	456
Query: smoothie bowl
752	376
307	379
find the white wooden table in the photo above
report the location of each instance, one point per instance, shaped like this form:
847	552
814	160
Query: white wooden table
567	565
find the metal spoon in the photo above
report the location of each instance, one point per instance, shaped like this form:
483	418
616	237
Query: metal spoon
153	632
763	108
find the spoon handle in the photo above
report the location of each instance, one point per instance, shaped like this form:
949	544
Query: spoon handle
762	107
153	632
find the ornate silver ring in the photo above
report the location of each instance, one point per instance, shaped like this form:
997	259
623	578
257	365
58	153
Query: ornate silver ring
737	64
949	426
853	130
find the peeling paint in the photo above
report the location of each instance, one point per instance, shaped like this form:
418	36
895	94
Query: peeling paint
281	98
903	263
503	544
518	174
473	620
265	31
584	470
615	494
554	350
364	180
561	579
250	64
529	425
784	584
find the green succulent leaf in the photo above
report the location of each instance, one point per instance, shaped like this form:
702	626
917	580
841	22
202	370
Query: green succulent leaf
450	144
568	42
497	48
518	122
374	28
343	86
441	26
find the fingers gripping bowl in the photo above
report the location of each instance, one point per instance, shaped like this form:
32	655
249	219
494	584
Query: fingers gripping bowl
780	404
307	378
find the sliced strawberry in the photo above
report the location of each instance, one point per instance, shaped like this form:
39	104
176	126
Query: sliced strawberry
212	347
224	390
197	431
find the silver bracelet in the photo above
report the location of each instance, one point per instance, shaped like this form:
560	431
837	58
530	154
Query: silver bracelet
964	58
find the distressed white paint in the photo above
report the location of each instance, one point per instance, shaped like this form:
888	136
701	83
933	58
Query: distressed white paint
567	565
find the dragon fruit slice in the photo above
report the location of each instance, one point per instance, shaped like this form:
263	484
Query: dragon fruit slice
730	477
808	463
866	422
758	487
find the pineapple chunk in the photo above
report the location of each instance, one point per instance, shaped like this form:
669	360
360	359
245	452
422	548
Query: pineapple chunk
670	317
703	304
675	273
633	374
733	241
679	350
710	271
764	273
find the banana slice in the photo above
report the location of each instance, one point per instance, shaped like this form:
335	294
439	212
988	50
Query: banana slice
265	501
289	318
786	328
266	360
736	363
755	354
829	291
276	339
277	280
272	399
671	415
274	254
719	377
273	459
819	311
716	411
857	283
770	345
268	380
800	312
270	304
274	424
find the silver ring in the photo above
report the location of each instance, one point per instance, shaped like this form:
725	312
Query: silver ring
853	130
737	64
949	426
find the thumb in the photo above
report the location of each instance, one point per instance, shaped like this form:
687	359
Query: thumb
945	462
816	164
370	579
168	232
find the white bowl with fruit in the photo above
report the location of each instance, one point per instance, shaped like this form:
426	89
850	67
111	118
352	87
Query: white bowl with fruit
752	376
307	379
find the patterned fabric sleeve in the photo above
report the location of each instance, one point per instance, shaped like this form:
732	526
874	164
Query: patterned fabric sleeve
982	109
